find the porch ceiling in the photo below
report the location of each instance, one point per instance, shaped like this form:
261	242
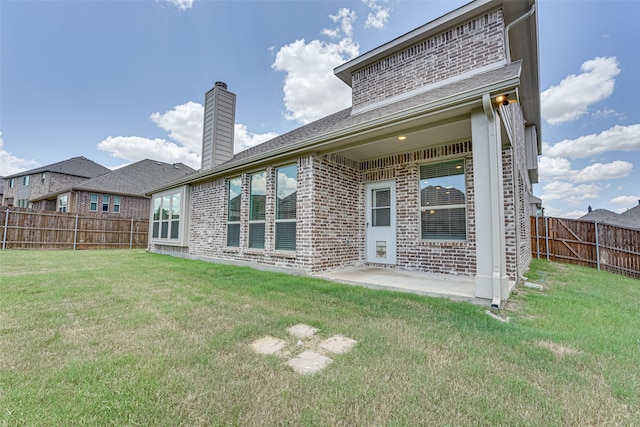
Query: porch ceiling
458	130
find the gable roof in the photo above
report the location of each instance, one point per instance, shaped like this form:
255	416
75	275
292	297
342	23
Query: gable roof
76	166
131	180
628	219
343	124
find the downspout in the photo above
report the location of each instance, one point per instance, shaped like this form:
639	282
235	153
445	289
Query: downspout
495	276
508	27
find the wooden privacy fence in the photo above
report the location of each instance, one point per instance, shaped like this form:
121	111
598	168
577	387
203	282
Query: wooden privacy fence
29	229
602	246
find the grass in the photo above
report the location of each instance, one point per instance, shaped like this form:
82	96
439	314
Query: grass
133	338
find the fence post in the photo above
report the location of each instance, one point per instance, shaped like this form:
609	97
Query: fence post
75	234
131	236
546	235
537	239
597	247
6	225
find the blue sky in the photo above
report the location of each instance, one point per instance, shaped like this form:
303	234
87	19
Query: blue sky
119	81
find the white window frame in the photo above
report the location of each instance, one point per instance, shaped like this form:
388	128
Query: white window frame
63	207
26	180
443	207
117	203
181	222
92	202
276	210
106	201
229	222
254	222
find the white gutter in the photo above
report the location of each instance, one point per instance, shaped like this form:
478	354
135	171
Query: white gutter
508	27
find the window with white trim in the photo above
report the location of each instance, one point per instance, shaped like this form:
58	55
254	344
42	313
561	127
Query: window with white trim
12	183
234	196
105	203
25	180
93	203
257	201
286	191
167	217
117	200
62	202
443	201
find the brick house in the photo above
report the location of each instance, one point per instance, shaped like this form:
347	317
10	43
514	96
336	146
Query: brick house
21	188
431	169
121	191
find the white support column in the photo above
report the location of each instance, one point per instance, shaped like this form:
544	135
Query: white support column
491	274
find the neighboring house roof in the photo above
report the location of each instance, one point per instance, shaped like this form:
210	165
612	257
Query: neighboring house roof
331	128
76	166
131	180
628	219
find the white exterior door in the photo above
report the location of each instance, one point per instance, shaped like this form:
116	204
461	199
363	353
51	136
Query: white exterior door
381	222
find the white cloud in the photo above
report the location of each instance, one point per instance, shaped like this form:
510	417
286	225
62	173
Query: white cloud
378	16
180	4
560	168
625	201
617	138
571	98
244	139
184	124
600	171
570	193
10	164
135	148
311	91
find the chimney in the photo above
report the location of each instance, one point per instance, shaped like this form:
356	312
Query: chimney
219	122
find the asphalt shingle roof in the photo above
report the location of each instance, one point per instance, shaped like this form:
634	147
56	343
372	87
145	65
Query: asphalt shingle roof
134	179
345	119
628	219
76	166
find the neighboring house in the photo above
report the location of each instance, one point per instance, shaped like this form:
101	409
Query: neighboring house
1	188
121	191
21	188
431	169
628	219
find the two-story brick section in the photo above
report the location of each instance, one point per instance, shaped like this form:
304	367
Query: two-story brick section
430	170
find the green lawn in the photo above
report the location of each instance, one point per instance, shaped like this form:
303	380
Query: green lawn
133	338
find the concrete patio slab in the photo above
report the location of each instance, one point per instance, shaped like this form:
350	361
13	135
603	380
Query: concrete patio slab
268	345
338	344
302	331
308	362
460	288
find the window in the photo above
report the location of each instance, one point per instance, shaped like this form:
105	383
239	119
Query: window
286	191
62	203
93	205
12	183
116	204
234	194
105	203
167	216
25	180
257	199
443	204
43	177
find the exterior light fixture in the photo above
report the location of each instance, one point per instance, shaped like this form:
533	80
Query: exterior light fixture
402	138
502	99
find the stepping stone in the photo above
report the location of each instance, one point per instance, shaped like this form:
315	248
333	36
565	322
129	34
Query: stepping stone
308	362
338	344
268	345
302	331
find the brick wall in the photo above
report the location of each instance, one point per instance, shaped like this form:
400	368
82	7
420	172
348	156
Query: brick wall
476	43
130	207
